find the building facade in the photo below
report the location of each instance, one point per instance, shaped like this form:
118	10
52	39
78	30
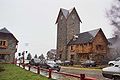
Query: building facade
8	46
68	24
90	45
76	46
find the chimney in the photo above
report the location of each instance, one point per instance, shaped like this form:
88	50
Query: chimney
116	36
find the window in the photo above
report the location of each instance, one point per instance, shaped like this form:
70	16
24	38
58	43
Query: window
71	47
3	43
73	16
77	46
72	57
61	17
60	56
2	56
99	47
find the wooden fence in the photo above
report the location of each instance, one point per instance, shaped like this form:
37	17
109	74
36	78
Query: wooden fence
50	71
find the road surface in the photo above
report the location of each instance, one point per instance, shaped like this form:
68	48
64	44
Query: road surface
95	73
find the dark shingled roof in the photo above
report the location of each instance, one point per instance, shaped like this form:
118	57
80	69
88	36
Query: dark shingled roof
66	13
4	30
84	37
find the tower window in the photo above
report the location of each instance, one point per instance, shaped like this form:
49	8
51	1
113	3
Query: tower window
71	47
73	16
61	17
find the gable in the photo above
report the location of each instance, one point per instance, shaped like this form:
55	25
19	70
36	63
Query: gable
74	12
4	31
67	13
100	37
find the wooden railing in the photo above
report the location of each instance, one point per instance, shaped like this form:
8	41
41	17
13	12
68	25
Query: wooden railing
50	71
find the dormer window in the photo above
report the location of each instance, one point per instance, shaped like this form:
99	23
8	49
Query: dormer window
73	16
3	43
61	17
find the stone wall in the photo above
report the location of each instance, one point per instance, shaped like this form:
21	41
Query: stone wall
10	50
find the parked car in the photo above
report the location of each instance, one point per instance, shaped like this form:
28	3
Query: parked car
111	63
88	63
35	61
59	62
45	64
65	63
50	64
112	72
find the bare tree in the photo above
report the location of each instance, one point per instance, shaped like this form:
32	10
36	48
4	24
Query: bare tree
41	57
114	17
114	14
51	54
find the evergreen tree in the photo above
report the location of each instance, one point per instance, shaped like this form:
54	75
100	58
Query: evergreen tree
29	56
35	56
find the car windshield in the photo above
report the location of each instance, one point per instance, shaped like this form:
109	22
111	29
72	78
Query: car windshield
117	59
89	61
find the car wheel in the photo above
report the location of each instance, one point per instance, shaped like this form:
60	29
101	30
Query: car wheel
90	65
116	78
111	64
58	70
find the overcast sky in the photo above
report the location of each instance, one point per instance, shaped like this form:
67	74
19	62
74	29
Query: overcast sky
33	21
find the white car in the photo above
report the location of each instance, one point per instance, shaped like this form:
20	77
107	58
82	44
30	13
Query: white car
112	72
111	63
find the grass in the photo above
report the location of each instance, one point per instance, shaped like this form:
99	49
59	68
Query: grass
98	68
12	72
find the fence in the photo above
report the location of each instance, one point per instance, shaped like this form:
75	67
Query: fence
50	71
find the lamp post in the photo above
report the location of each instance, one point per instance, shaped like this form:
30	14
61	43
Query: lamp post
23	53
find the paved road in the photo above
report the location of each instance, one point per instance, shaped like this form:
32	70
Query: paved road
96	73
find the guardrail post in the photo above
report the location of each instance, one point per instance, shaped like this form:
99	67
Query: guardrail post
82	76
19	64
23	66
50	71
38	70
29	67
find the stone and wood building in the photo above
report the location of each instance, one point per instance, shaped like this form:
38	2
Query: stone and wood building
90	45
76	46
8	46
68	24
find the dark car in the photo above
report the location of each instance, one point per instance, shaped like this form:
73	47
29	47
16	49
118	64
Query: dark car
88	63
34	61
65	63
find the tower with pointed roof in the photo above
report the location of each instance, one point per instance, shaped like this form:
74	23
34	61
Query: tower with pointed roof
68	24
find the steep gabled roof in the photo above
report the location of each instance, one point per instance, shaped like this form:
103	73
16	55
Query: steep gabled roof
66	13
5	31
84	37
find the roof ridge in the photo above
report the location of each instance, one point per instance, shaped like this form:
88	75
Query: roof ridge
92	30
66	12
5	30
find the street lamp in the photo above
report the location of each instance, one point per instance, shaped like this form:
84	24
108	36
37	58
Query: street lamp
23	53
